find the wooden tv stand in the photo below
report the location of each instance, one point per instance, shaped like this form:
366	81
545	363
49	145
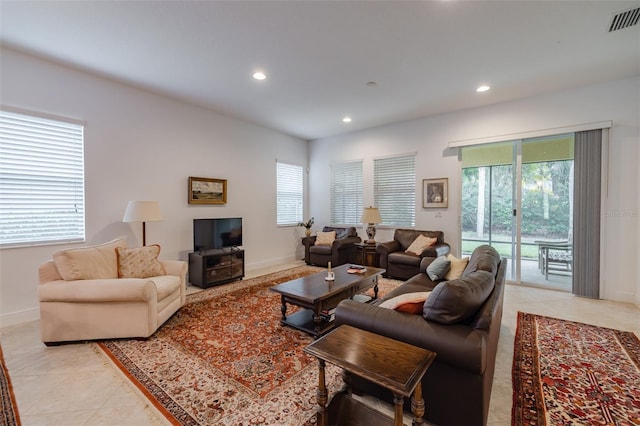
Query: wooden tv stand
213	267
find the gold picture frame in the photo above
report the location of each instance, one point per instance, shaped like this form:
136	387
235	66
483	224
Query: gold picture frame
207	191
435	193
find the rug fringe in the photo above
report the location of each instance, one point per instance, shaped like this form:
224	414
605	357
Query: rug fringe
155	416
10	414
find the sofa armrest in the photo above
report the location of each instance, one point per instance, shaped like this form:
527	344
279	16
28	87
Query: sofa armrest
177	268
388	247
384	249
425	262
101	290
442	249
437	250
345	242
456	345
48	272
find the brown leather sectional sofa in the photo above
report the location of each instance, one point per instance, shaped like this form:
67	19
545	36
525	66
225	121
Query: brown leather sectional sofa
460	322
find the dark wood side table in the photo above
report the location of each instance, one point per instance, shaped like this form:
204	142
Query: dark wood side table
389	363
367	254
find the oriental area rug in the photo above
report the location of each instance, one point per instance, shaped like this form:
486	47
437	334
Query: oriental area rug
10	415
569	373
224	358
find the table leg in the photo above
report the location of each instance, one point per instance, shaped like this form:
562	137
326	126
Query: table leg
375	288
398	402
346	379
546	263
317	322
283	308
417	405
322	395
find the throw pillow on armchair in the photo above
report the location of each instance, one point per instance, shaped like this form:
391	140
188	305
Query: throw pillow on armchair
332	244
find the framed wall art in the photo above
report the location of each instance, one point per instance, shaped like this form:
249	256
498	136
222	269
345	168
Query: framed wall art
207	191
435	193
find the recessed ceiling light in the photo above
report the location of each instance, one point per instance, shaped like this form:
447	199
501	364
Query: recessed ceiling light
259	75
483	88
346	120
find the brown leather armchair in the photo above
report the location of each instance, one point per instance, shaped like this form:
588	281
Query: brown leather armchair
341	251
402	265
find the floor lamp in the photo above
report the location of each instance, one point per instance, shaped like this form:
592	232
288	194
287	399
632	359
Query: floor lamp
142	211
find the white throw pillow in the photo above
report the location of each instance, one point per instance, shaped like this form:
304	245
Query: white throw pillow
87	263
419	244
457	267
325	238
139	262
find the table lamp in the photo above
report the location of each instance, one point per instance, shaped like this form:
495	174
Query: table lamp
371	215
142	211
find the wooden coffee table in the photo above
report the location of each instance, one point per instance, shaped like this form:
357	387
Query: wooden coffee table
318	297
389	363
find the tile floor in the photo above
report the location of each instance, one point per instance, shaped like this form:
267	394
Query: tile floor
75	384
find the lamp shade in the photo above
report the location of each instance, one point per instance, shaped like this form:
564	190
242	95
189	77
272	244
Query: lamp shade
370	215
142	211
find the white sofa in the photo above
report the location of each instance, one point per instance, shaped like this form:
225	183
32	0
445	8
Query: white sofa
108	291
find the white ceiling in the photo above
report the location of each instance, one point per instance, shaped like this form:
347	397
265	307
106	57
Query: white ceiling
427	57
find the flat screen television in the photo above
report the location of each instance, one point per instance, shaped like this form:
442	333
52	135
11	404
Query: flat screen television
209	234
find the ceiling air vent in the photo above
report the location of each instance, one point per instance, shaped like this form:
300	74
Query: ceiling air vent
625	19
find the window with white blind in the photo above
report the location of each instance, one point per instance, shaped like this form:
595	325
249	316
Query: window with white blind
41	180
394	190
289	193
346	193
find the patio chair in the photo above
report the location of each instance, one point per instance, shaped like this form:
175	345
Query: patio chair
554	256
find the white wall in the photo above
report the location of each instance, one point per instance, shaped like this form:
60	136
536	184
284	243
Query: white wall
617	100
142	146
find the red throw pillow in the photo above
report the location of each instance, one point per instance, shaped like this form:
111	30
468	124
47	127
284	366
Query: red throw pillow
411	303
411	307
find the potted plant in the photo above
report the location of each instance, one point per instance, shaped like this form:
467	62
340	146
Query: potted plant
308	224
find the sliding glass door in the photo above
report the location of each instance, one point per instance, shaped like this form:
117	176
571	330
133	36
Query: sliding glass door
547	211
517	197
488	199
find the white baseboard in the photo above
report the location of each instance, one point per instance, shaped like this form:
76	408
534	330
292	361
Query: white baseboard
269	263
621	296
19	317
